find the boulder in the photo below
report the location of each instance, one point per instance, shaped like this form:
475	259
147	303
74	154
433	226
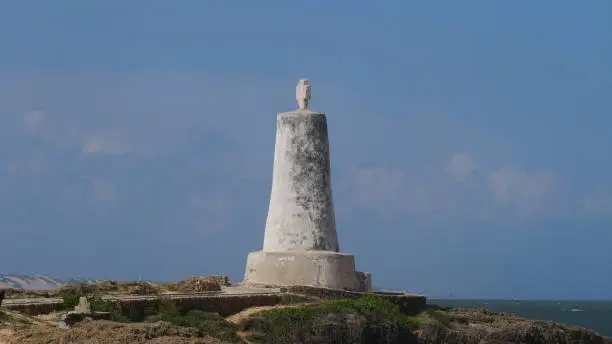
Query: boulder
138	288
202	283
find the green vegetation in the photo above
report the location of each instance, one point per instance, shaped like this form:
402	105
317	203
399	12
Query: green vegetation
170	287
207	323
369	305
100	305
369	319
70	300
437	315
97	305
4	316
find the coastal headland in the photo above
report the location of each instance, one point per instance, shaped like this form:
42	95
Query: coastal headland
212	309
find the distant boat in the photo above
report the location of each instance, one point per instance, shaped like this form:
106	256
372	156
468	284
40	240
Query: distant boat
576	310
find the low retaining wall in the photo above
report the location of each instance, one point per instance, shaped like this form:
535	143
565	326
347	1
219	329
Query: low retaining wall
409	303
137	309
35	308
224	305
227	305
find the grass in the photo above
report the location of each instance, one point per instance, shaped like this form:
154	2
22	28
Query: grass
97	305
100	305
207	323
4	316
439	316
371	306
368	318
70	301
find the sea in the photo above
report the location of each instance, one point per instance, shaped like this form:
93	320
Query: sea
594	315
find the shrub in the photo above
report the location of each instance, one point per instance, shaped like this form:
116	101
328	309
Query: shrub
370	319
207	323
100	305
70	301
4	316
439	316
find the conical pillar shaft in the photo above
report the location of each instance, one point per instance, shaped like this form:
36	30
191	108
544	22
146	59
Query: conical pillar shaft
301	212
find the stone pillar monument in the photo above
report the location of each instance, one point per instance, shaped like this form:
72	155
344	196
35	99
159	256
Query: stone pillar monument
300	241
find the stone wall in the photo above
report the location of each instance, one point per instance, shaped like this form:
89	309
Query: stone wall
35	308
225	305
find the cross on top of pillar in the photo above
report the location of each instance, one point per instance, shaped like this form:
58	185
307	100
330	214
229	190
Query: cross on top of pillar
302	93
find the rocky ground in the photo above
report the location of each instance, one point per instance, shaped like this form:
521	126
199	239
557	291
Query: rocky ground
369	319
105	332
110	287
327	322
486	327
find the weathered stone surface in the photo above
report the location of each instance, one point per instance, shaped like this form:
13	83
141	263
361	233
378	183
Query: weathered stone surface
314	268
302	93
202	283
108	287
83	307
300	240
456	326
301	212
139	288
479	326
71	318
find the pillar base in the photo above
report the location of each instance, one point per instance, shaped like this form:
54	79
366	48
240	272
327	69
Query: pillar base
309	268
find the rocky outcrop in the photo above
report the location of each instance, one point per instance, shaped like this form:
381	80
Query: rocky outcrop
202	283
108	287
480	326
374	322
105	332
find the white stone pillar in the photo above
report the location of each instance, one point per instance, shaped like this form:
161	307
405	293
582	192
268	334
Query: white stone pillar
300	240
301	212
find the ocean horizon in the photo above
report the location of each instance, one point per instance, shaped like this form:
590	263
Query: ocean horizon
592	314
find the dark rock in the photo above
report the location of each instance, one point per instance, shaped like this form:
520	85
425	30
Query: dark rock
433	326
479	326
202	283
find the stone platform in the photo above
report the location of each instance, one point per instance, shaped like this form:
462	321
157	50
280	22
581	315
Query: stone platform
311	268
230	300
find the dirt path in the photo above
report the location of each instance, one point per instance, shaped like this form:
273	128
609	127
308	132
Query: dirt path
238	317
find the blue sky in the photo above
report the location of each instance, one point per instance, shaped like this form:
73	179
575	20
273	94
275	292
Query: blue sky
470	140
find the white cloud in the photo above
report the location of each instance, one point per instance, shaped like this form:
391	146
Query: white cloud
104	145
149	114
393	191
526	193
458	189
462	167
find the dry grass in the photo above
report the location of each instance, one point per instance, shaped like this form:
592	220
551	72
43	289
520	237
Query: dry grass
236	318
105	332
17	328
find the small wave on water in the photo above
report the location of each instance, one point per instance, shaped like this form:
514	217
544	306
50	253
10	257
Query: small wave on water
576	310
